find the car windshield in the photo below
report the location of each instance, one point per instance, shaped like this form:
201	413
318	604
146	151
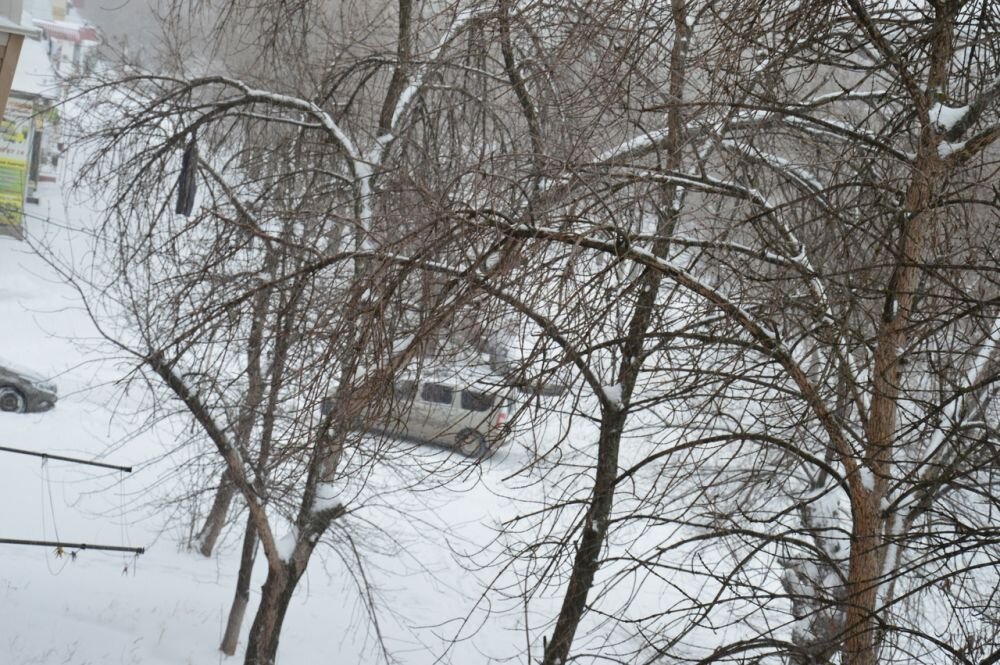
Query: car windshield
405	390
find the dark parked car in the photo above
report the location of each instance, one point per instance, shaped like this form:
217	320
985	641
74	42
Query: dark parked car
22	391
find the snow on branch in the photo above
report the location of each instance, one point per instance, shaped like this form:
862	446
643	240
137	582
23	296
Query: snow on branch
803	178
762	254
256	95
701	182
972	113
828	127
946	117
612	395
768	339
366	165
846	96
635	146
962	151
963	408
416	82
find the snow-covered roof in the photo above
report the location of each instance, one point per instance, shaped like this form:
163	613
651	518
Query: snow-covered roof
7	25
69	31
34	75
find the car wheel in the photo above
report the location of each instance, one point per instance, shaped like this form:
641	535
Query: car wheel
471	443
11	400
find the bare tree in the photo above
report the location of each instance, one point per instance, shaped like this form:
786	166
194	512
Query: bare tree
834	240
759	234
286	263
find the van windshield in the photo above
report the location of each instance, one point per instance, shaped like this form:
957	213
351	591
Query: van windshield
405	390
473	401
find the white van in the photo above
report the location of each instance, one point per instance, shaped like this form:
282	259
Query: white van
443	411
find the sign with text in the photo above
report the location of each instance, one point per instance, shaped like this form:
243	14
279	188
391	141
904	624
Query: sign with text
16	133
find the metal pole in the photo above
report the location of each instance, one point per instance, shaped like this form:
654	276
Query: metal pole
61	458
72	546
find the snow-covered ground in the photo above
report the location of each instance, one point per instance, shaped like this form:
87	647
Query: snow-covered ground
169	606
420	546
426	550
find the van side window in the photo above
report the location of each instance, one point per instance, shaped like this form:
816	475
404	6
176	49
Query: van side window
473	401
433	392
405	391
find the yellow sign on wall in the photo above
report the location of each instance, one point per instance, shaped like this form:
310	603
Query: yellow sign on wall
16	130
12	176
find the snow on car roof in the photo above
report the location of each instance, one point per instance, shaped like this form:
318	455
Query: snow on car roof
28	374
457	375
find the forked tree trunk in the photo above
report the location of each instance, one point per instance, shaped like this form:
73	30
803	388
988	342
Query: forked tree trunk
276	594
918	223
861	642
242	596
209	534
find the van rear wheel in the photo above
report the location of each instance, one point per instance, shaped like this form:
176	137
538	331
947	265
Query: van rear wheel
471	443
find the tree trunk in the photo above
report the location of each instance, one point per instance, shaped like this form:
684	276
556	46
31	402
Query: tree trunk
242	596
276	594
209	534
595	528
917	223
860	643
282	577
588	553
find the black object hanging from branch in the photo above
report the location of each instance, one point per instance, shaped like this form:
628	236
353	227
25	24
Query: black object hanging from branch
187	183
